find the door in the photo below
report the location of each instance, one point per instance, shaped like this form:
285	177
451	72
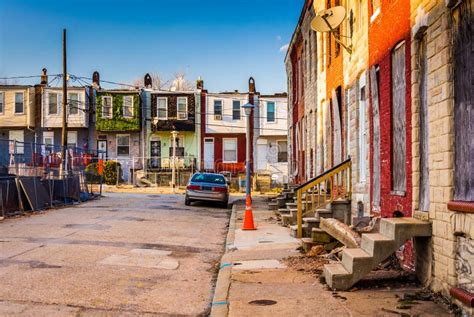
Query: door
209	153
102	149
155	153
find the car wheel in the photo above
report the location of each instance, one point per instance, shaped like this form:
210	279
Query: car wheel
225	204
187	201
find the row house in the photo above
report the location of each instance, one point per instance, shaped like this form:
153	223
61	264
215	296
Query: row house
172	123
18	111
271	149
398	104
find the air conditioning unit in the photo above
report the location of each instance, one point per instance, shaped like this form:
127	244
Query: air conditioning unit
182	116
218	117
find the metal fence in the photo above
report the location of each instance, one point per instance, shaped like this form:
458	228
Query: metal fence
32	176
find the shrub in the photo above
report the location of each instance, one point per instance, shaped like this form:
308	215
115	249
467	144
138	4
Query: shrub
92	173
111	177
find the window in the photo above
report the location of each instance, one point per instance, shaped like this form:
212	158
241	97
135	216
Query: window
48	141
162	106
236	110
18	136
282	151
106	107
217	109
123	145
19	106
182	108
209	178
270	111
52	103
73	103
2	102
127	107
230	150
72	139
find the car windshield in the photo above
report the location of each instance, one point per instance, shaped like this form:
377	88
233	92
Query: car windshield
208	178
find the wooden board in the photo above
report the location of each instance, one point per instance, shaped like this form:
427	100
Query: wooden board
374	88
399	159
424	134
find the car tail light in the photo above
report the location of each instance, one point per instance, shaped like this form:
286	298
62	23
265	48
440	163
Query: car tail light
193	187
219	189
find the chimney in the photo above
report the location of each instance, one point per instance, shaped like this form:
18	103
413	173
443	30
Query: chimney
199	83
96	80
148	81
44	77
251	85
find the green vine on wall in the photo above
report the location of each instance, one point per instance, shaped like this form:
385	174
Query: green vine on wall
118	122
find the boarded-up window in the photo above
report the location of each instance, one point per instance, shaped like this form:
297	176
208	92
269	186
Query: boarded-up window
424	136
463	103
399	158
374	88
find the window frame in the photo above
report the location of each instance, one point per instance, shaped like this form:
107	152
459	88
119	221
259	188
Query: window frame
222	109
111	107
177	108
234	110
117	145
22	103
274	112
2	102
158	98
236	150
20	149
286	150
69	133
132	106
69	103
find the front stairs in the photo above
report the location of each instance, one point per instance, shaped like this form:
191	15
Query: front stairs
375	247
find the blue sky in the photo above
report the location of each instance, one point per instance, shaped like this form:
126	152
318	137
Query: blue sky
223	41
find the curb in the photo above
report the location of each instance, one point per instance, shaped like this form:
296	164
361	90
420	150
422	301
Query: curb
220	304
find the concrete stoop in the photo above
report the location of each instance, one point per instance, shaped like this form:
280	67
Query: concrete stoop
375	247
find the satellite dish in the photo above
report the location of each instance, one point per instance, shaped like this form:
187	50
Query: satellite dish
328	21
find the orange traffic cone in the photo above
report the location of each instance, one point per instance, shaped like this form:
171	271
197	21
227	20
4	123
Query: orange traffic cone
248	216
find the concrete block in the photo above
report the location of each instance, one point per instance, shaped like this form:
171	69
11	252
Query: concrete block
320	236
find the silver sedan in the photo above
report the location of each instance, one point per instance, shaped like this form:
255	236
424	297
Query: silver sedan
207	187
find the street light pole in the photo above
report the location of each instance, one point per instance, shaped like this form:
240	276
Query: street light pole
64	126
174	135
248	216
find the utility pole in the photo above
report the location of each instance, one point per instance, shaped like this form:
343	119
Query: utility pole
64	128
174	135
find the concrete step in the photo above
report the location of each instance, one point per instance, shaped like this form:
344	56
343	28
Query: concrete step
341	210
273	206
320	236
294	231
283	211
312	222
323	213
288	220
375	247
308	243
292	205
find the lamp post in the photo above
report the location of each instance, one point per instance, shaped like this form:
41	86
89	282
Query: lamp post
248	216
174	135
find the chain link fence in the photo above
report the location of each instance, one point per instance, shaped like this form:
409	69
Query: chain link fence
32	177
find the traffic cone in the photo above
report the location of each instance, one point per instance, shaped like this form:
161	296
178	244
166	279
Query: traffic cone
248	216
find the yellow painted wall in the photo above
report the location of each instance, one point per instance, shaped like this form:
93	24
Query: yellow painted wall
9	118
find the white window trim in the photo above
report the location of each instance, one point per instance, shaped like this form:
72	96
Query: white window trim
117	145
20	148
214	107
375	15
275	112
48	135
177	108
278	152
111	106
2	100
69	104
158	107
240	109
236	150
57	104
123	107
14	103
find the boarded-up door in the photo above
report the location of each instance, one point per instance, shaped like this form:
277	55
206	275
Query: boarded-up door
463	102
374	88
337	130
399	158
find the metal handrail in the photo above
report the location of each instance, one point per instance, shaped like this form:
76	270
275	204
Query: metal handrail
335	181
